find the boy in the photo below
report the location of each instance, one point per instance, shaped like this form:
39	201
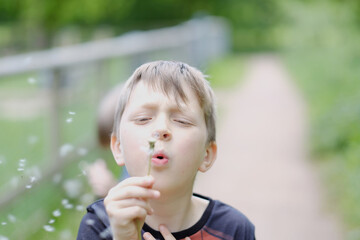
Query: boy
174	103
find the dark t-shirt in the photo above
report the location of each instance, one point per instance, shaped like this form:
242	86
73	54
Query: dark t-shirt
219	222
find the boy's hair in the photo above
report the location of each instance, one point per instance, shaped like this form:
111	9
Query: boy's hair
170	77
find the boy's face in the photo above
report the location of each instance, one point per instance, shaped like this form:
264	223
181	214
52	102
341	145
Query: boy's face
180	150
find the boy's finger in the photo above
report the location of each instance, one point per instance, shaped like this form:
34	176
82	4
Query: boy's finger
166	233
131	192
148	236
146	181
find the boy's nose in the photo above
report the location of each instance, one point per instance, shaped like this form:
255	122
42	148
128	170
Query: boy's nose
164	135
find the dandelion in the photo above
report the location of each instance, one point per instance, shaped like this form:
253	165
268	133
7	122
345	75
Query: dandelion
56	213
48	228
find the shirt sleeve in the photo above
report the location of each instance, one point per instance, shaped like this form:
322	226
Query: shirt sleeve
91	228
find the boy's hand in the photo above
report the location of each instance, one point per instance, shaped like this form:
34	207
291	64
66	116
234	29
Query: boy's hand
126	205
164	232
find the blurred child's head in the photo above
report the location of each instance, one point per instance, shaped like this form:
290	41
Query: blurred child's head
171	78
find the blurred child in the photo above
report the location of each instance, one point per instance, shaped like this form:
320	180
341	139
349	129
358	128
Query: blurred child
174	103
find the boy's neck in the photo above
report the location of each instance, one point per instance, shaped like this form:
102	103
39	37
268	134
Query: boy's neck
177	211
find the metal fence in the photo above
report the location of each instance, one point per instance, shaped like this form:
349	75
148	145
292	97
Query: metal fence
44	83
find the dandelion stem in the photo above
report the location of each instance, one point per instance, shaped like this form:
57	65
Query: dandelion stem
151	151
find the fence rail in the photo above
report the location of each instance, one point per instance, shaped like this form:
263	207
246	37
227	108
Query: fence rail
196	41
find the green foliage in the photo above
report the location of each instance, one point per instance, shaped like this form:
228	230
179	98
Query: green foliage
320	42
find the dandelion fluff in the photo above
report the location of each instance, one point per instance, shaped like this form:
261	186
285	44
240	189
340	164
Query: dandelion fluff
31	80
90	222
3	237
82	151
64	201
69	120
66	234
68	206
73	187
80	208
66	149
51	221
56	213
48	228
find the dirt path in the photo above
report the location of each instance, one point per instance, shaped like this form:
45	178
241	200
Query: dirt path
262	167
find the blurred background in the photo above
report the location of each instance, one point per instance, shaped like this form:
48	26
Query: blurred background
58	59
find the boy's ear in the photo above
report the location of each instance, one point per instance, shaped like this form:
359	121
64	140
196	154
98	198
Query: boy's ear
209	158
116	150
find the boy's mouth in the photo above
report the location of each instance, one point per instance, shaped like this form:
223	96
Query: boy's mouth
159	159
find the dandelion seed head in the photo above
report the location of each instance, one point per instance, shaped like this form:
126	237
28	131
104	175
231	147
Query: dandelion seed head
66	149
106	233
69	206
56	213
73	187
32	179
69	120
90	222
48	228
64	201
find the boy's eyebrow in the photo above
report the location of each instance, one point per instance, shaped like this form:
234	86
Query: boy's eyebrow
173	107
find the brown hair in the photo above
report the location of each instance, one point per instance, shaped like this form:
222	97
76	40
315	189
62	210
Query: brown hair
169	77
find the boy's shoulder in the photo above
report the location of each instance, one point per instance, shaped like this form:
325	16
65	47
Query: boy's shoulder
229	220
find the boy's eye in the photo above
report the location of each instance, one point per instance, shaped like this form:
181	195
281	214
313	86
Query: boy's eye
142	120
183	122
